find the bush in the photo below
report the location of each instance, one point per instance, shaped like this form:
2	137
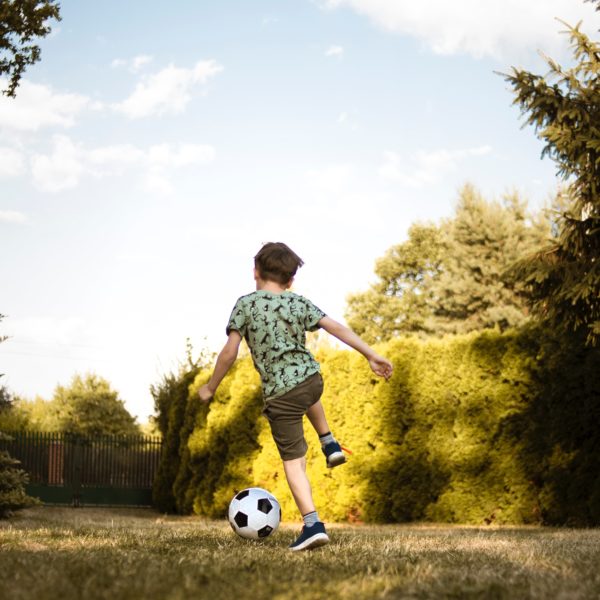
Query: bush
12	485
479	428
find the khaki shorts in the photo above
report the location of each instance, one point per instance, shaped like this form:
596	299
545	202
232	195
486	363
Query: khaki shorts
285	416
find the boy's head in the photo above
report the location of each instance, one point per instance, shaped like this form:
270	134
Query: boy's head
277	262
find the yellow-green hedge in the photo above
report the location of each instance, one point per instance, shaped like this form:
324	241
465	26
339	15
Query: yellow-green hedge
481	428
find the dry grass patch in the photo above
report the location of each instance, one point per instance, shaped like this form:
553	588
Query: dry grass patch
132	554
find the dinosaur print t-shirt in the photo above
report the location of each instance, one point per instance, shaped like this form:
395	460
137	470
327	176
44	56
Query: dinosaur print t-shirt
275	326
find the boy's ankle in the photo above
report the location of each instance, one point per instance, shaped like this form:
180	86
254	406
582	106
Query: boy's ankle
326	438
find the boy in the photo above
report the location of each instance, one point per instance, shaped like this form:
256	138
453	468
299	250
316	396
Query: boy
274	322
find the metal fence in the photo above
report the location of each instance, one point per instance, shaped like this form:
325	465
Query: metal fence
113	470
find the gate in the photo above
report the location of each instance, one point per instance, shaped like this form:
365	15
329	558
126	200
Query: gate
114	470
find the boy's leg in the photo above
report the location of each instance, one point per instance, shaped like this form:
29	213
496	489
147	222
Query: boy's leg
295	473
316	416
331	449
313	533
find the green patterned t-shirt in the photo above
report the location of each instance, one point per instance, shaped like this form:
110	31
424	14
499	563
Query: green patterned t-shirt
275	326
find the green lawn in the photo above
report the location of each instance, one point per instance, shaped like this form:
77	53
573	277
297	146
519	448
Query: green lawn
70	554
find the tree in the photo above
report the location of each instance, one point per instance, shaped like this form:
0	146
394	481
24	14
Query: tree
564	108
400	302
12	479
12	484
5	399
21	21
90	407
481	242
452	278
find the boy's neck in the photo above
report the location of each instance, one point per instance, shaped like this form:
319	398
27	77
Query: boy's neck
270	286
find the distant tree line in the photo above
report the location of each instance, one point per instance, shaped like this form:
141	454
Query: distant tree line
88	406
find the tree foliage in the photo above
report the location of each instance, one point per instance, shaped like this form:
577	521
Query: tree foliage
564	109
88	406
21	21
452	277
12	485
12	479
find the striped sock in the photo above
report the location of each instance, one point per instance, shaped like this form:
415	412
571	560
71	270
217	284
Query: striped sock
310	518
327	438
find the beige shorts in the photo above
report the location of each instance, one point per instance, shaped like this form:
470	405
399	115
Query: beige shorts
285	416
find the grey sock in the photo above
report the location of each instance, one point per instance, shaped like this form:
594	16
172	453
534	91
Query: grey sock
326	439
310	518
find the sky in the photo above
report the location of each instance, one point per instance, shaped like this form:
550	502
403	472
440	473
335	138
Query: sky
156	146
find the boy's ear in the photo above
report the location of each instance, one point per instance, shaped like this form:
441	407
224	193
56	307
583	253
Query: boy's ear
288	285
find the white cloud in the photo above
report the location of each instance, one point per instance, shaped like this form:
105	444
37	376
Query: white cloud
336	51
425	168
133	64
12	163
38	106
168	91
12	216
500	29
60	170
69	162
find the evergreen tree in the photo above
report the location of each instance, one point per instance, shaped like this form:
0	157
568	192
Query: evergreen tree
480	243
564	109
12	479
452	278
12	484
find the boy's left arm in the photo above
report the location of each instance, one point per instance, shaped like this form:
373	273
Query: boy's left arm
225	360
379	365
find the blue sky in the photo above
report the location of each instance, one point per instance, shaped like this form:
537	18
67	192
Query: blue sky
153	150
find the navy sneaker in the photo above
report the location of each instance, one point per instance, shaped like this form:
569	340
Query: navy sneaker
333	454
311	537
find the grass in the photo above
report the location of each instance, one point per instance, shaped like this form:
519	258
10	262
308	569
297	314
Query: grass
68	554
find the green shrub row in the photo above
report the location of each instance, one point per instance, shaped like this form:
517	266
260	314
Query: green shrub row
480	428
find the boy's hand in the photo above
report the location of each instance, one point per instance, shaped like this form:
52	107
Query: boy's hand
205	393
381	366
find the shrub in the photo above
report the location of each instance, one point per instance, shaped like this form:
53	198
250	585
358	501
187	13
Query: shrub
12	484
478	428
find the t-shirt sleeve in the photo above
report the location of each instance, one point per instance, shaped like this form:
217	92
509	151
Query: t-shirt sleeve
312	317
238	320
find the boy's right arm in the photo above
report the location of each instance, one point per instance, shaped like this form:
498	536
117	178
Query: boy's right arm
379	365
225	360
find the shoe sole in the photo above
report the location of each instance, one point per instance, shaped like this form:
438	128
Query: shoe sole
316	541
335	459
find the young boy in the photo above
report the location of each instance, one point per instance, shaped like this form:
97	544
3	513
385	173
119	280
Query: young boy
274	322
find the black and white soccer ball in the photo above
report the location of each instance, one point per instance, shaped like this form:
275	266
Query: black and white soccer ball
254	513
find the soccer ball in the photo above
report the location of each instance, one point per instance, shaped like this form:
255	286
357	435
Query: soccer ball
254	513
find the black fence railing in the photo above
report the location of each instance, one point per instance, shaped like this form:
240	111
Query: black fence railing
71	469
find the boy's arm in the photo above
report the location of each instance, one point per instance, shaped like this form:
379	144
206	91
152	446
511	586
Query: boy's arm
379	365
225	359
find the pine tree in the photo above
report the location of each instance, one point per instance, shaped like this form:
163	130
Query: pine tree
480	243
564	109
12	484
12	479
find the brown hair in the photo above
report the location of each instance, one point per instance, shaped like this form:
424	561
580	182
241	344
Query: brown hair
277	262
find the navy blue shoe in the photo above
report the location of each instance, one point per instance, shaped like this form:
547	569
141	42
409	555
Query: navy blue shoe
333	454
311	537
